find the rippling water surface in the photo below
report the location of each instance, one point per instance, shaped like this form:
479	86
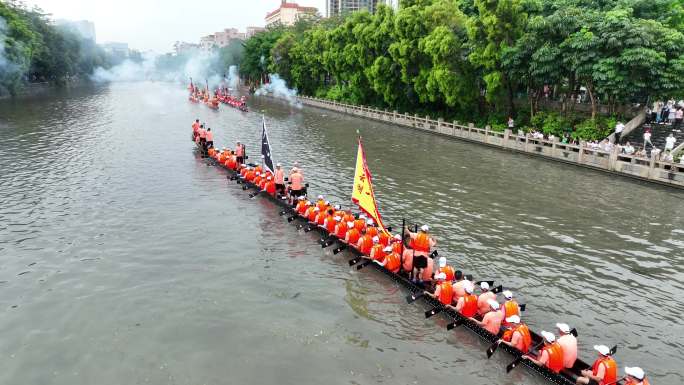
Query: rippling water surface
125	259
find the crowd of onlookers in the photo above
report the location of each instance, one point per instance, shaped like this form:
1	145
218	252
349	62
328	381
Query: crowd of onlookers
669	112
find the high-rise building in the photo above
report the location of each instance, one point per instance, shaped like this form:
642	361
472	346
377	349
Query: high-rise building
340	7
251	31
289	13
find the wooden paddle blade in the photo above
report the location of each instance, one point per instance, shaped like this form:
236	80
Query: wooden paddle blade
337	250
327	244
514	364
497	289
306	230
290	219
434	254
354	261
455	324
492	349
411	298
363	264
523	306
432	312
613	350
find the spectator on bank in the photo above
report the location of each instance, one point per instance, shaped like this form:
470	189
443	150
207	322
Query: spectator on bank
649	117
619	127
628	149
670	142
664	113
641	153
511	123
655	154
667	157
647	137
679	114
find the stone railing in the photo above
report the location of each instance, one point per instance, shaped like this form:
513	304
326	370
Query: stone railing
652	170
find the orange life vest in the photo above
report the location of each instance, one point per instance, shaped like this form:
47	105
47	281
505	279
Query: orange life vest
320	219
366	244
378	253
421	242
301	207
279	177
511	308
555	353
341	230
359	224
244	170
393	262
446	292
610	369
211	152
629	381
353	236
526	339
396	248
372	231
250	175
448	271
469	308
330	224
312	214
270	188
384	238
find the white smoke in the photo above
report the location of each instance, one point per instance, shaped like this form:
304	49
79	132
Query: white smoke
127	71
233	78
278	89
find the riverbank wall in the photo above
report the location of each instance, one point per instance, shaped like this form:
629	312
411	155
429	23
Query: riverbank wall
650	170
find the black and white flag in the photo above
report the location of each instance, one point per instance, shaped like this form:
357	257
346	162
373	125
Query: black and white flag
266	148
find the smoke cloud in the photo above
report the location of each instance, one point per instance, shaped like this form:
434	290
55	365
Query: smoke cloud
279	90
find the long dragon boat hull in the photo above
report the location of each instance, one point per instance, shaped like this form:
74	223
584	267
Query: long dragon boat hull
565	377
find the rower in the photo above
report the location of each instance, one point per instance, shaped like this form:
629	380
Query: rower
518	336
460	283
210	138
279	179
240	153
320	202
493	319
296	182
195	128
604	370
568	343
392	260
510	307
365	243
444	291
551	355
353	235
396	244
635	376
377	251
203	137
331	223
324	213
301	206
422	244
446	269
467	305
370	228
270	187
341	229
313	214
384	238
484	298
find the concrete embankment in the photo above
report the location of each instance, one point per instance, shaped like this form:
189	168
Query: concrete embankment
650	170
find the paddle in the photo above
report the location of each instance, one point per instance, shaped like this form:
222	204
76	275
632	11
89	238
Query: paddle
354	261
244	187
254	194
456	323
413	297
491	349
497	289
433	311
306	230
574	333
292	218
337	250
522	307
518	360
364	264
328	242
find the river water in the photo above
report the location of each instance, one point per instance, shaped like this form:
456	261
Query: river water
125	259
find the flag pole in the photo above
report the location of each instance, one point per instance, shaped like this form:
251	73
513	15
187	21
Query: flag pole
403	227
263	127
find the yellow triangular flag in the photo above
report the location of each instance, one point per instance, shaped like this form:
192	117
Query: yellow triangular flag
363	195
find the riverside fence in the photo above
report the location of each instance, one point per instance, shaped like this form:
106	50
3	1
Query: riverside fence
652	170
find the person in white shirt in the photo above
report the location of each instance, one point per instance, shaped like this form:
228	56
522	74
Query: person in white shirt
628	149
667	157
647	138
619	127
670	142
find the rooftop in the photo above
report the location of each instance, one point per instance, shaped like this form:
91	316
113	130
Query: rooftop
292	5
